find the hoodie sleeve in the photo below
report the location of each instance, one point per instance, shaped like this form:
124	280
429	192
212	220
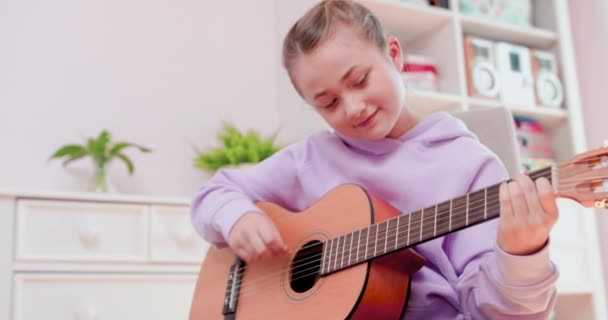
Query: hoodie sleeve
231	193
492	283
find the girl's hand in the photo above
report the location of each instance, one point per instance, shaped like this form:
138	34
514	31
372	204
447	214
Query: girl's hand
255	236
528	212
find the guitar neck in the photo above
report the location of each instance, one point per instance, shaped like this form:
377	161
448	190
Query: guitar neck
405	231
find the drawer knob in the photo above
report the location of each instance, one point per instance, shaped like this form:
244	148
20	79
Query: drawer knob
185	238
89	237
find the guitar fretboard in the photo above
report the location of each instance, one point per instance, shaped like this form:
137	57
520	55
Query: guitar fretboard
417	227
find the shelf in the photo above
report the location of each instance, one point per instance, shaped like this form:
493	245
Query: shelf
529	36
425	102
550	118
408	21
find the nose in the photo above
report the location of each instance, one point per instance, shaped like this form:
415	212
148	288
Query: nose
354	109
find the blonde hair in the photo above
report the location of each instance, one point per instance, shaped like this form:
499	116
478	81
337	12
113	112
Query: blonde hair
322	20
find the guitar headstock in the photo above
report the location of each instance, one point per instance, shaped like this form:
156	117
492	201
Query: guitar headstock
585	178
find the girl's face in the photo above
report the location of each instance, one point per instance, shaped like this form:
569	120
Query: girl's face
354	86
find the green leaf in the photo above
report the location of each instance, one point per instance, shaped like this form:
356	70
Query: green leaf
96	151
75	156
237	148
254	155
118	147
127	161
103	139
68	150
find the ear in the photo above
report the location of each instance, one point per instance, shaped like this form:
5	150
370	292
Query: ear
394	51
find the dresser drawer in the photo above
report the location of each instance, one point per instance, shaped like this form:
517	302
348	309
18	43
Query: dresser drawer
172	237
80	231
98	297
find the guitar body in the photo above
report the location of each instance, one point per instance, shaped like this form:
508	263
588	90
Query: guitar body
376	289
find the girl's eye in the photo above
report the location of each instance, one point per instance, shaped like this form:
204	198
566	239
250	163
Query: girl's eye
361	81
331	104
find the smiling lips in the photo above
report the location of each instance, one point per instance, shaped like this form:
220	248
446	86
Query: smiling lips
369	120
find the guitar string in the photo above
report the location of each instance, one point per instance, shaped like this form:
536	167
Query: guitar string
257	285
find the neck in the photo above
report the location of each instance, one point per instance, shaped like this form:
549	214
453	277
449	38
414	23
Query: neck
406	231
406	121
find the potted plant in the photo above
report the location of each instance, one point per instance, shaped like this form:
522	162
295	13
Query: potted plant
237	149
102	150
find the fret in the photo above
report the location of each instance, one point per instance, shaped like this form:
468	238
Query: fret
493	208
330	254
435	223
443	217
485	204
342	251
366	230
348	242
388	222
352	253
337	255
358	245
397	232
369	231
458	205
421	223
467	211
478	209
391	234
376	240
324	257
450	225
409	223
415	219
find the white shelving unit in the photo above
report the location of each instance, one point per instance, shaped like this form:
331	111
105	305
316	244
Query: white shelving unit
438	33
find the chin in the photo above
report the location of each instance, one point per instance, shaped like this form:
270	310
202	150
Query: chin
376	134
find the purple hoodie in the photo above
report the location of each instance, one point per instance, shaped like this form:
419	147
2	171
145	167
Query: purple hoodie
467	276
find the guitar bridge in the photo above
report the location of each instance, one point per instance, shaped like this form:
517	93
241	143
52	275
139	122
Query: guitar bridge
233	288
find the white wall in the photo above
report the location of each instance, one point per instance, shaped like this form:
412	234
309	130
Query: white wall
590	37
157	72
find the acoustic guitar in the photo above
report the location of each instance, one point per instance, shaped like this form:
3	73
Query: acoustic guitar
350	253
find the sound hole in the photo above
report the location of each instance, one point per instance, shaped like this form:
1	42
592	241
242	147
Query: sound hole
306	267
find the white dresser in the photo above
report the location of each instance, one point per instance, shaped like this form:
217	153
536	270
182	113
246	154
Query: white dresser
96	257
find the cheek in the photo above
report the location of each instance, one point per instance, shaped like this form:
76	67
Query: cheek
393	91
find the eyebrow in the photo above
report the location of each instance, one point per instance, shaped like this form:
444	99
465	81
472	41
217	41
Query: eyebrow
322	93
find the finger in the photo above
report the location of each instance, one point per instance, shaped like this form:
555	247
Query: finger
243	254
274	240
547	197
256	246
518	201
506	210
528	189
270	241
